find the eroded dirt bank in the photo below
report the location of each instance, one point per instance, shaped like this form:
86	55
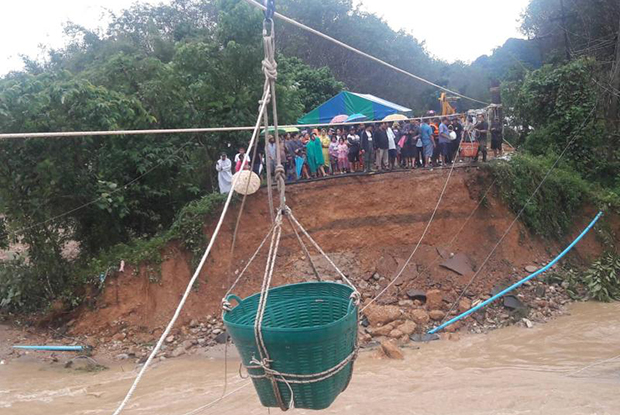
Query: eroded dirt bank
368	225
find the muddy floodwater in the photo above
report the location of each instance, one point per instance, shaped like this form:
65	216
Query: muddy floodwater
553	368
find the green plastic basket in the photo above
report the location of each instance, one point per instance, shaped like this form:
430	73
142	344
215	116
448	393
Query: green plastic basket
307	328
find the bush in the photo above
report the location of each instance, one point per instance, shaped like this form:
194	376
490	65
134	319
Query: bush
602	280
27	286
549	213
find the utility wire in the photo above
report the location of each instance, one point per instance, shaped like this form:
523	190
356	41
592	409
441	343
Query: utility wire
364	54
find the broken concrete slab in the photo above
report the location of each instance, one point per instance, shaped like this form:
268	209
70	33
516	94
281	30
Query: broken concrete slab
444	253
513	303
459	263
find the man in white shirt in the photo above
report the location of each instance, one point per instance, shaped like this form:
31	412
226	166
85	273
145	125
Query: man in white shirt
392	153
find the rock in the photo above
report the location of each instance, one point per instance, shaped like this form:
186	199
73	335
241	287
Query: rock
395	334
531	268
434	299
391	350
420	316
194	323
221	338
216	331
376	276
381	331
539	291
202	341
362	285
407	328
528	323
179	351
513	303
120	336
405	303
379	315
122	356
464	305
454	337
436	315
170	339
417	295
187	344
453	327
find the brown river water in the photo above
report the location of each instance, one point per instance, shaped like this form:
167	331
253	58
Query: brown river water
565	366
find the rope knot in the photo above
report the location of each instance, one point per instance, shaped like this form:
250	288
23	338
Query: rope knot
226	306
270	68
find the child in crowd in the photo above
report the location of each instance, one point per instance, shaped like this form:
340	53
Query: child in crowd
333	154
343	156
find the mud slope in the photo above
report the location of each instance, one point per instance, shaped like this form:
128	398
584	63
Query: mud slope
368	224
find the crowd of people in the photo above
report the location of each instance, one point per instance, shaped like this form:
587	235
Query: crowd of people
382	146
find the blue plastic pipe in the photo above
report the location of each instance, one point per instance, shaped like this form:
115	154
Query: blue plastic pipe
517	284
52	348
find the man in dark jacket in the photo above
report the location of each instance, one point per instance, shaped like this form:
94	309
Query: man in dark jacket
367	147
382	146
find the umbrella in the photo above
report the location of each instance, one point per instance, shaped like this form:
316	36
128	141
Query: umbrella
395	117
281	130
339	118
356	117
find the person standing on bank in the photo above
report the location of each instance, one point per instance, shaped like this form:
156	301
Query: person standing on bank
481	128
496	138
444	142
367	148
224	175
382	144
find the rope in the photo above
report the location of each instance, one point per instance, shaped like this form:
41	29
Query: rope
301	379
428	225
66	134
318	248
364	54
305	249
600	362
473	278
196	272
210	404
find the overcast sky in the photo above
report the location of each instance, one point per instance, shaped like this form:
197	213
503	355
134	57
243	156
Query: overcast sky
452	29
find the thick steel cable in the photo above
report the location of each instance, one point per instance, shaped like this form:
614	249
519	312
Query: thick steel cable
364	54
473	278
196	272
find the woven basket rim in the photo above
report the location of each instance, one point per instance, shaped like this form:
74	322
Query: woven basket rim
353	310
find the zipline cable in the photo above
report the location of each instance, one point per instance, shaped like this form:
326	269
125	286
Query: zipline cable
177	312
583	124
65	134
364	54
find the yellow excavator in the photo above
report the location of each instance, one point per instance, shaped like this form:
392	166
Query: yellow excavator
446	107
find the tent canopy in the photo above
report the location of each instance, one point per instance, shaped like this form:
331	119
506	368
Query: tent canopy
350	103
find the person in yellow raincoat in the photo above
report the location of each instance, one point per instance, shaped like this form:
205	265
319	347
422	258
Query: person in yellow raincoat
325	142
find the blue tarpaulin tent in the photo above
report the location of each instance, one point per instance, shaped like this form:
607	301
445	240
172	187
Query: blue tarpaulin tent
351	103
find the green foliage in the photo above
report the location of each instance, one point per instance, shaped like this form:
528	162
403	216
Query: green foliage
188	226
558	105
517	180
31	285
602	280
